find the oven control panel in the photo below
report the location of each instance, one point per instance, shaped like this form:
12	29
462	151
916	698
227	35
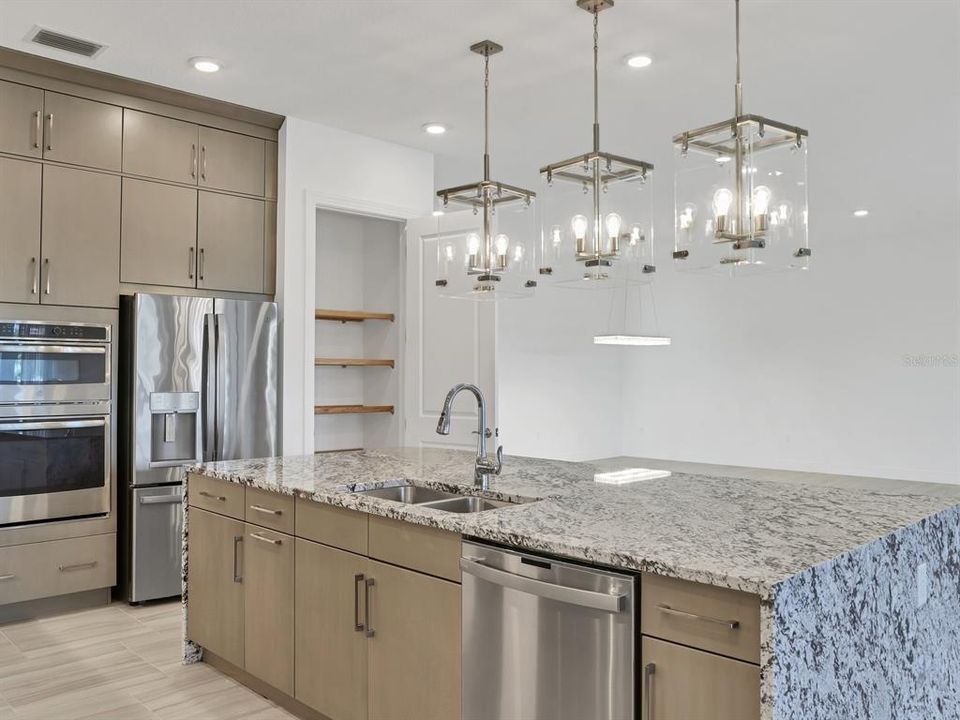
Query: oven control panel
53	331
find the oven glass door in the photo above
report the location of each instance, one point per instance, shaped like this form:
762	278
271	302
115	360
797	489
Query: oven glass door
53	469
53	373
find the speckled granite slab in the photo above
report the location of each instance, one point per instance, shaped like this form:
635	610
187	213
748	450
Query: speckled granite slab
756	536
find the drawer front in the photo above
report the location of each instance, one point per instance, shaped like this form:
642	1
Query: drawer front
217	496
269	509
429	550
716	619
344	529
680	683
38	570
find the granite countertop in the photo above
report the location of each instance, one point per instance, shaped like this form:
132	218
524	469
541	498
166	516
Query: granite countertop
744	534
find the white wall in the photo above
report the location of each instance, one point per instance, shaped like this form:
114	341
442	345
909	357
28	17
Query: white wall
322	166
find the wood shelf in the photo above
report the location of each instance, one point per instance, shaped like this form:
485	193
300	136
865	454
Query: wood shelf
353	362
351	409
345	316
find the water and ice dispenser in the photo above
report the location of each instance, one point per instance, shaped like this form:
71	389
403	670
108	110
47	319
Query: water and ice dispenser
174	428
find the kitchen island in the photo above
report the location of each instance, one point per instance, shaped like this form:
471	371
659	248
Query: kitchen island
859	591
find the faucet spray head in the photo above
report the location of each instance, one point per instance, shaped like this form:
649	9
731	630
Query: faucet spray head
443	424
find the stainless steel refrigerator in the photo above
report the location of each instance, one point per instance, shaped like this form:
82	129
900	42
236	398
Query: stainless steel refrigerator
198	382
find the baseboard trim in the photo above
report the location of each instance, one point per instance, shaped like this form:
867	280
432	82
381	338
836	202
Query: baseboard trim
57	605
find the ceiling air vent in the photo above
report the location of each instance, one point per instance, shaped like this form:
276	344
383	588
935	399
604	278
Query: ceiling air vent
77	46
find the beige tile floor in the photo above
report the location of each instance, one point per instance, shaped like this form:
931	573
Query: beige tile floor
115	663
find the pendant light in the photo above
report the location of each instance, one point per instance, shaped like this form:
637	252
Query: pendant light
619	331
596	208
741	192
497	259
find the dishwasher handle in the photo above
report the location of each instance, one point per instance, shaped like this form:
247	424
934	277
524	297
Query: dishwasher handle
612	603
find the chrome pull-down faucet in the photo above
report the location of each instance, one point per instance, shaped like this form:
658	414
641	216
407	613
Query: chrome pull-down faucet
484	467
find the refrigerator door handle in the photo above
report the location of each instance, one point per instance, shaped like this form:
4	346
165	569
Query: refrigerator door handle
207	388
219	418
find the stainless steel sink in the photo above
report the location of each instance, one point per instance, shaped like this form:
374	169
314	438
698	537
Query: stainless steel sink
468	504
410	494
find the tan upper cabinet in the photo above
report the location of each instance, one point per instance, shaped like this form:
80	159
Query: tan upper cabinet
158	234
680	683
232	162
331	648
19	230
21	119
270	170
270	248
268	564
230	243
160	147
80	247
415	623
215	596
82	132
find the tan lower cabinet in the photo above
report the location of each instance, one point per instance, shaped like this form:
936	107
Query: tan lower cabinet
230	243
331	642
268	628
414	651
680	683
80	246
19	230
215	592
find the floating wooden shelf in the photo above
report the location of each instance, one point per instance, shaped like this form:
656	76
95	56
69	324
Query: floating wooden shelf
351	409
351	315
358	362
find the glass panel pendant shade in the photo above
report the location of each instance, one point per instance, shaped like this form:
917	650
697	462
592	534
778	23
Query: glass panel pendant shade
741	193
496	259
596	210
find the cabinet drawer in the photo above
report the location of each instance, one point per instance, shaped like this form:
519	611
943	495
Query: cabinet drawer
429	550
680	683
269	509
58	567
345	529
218	496
716	619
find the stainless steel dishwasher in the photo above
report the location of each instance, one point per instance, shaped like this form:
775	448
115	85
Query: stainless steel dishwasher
545	639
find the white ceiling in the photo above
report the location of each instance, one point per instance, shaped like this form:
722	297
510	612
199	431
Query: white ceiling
870	79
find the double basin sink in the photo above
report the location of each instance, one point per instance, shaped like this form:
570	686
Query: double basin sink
411	494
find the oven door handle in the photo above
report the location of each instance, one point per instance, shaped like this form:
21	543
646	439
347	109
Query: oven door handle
58	349
611	603
52	424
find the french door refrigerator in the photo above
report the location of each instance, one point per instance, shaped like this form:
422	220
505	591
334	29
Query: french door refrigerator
198	383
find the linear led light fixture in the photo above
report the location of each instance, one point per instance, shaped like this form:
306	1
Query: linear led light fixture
644	340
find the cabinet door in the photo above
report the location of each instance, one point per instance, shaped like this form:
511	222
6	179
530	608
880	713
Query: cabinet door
331	648
21	115
158	236
80	244
414	652
230	161
82	132
269	248
270	170
680	683
268	606
214	584
230	242
19	231
160	147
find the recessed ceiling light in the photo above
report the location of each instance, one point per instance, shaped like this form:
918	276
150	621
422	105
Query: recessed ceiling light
434	129
861	213
638	61
205	64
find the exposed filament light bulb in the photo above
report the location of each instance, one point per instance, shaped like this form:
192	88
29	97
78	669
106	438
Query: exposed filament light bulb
473	249
501	244
760	202
579	227
722	200
613	222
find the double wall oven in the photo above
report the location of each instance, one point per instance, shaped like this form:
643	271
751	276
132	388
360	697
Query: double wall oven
55	396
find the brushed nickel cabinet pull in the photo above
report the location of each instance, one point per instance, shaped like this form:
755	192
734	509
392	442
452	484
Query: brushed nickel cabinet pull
357	623
368	583
264	538
36	129
33	272
237	539
9	576
205	494
193	160
190	263
49	131
46	264
649	670
266	511
78	566
732	624
201	263
203	162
